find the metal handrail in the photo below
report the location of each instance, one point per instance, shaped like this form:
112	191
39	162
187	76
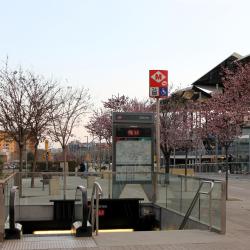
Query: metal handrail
13	191
84	205
96	192
197	195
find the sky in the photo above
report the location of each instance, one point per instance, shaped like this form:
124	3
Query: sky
109	46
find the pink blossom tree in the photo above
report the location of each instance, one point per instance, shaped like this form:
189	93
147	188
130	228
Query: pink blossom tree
177	131
225	111
100	123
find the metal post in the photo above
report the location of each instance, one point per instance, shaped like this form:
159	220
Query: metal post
64	173
92	213
158	141
210	210
248	154
88	153
2	212
97	211
174	158
157	146
47	161
26	157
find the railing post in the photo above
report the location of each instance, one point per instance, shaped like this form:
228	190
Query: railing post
2	212
96	193
109	184
85	208
92	213
210	210
97	211
223	208
181	196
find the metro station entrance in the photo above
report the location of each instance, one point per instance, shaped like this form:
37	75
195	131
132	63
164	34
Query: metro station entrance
133	151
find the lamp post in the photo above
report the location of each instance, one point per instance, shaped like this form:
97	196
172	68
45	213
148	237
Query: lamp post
87	154
87	142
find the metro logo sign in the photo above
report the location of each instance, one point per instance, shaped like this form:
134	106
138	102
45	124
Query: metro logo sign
158	83
158	76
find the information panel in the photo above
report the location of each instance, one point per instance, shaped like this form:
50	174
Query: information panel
133	147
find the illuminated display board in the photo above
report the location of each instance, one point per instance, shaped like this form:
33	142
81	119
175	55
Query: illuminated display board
133	147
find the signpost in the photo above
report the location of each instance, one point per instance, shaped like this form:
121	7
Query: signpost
158	88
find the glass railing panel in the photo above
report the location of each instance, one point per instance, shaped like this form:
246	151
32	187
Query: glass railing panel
189	189
217	204
133	185
6	199
7	187
45	187
50	185
104	178
173	193
162	182
201	209
17	204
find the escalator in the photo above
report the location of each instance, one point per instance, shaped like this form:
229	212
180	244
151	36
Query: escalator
78	217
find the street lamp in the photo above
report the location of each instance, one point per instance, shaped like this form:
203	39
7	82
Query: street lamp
87	142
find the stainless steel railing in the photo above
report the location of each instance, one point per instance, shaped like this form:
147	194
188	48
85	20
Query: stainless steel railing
195	199
84	204
94	211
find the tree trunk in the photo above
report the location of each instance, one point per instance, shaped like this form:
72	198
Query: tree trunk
20	157
64	172
167	162
186	162
167	165
34	165
19	182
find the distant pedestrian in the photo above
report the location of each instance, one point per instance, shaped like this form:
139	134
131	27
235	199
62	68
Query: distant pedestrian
82	167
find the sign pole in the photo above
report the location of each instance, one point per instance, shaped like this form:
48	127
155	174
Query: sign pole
158	88
158	140
157	149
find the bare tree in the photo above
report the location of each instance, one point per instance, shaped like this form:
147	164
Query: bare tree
15	108
41	94
72	106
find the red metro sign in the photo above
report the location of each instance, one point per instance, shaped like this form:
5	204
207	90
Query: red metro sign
158	83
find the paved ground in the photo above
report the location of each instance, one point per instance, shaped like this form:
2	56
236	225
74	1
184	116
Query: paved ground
237	236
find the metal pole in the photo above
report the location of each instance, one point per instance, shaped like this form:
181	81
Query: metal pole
248	154
158	141
157	146
97	211
64	173
47	160
26	157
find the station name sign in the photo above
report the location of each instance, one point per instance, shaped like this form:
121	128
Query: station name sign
133	117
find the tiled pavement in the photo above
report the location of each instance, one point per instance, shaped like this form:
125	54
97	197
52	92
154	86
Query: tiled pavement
237	236
49	242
